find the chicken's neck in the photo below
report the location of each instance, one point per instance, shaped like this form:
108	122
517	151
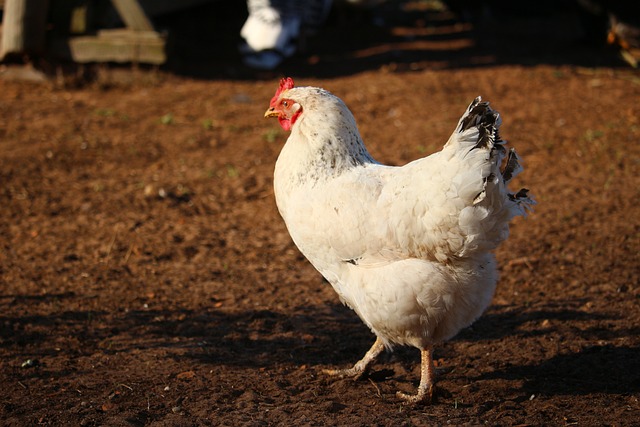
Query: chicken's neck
337	153
312	157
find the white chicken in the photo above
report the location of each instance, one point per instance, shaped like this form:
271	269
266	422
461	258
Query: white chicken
407	248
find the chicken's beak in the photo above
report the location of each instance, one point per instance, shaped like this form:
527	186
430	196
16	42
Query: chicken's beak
271	112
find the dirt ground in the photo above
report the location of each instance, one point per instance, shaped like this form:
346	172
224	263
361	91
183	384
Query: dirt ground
147	278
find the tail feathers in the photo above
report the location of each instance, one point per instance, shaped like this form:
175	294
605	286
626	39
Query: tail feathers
477	144
522	201
511	169
479	129
512	166
481	116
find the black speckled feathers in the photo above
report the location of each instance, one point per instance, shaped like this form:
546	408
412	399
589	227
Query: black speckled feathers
481	116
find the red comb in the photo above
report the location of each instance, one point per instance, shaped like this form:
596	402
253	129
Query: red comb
285	84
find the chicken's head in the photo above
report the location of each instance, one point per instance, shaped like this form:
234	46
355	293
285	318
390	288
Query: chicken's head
285	109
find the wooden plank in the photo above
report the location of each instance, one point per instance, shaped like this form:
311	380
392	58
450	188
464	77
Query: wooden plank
113	46
132	15
125	33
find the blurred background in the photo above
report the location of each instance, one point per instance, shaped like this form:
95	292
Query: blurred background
215	39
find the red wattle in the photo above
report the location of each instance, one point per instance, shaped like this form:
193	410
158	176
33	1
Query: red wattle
285	123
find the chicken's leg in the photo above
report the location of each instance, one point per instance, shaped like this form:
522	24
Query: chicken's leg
427	379
363	365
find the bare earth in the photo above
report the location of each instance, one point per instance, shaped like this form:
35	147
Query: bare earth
147	278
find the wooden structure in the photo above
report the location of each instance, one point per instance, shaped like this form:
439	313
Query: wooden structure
25	22
138	42
23	27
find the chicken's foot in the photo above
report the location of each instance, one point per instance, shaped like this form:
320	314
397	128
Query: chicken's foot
427	380
362	366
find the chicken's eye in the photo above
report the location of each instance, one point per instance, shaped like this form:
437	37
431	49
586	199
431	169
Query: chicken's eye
285	104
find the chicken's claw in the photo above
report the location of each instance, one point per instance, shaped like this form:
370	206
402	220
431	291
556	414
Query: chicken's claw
362	366
354	372
424	395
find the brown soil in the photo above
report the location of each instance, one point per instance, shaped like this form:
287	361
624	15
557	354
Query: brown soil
147	278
